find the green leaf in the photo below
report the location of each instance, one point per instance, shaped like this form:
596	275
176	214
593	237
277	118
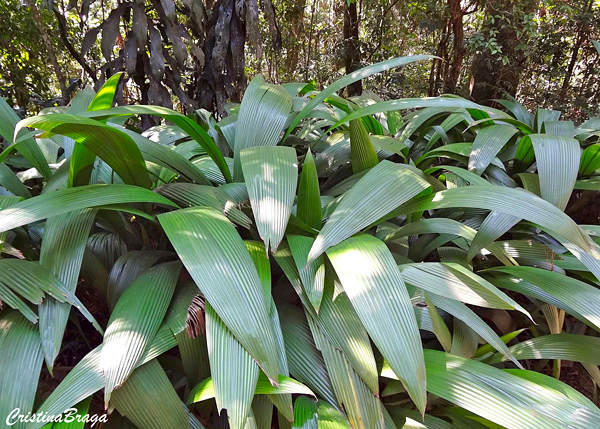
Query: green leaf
363	153
271	175
330	417
63	246
262	116
13	184
66	200
149	400
29	148
218	261
511	201
557	161
590	160
381	190
458	283
113	146
575	297
234	372
494	226
190	127
309	195
166	157
510	401
361	405
105	96
488	142
349	79
313	274
366	269
21	357
305	361
134	322
206	389
305	413
577	348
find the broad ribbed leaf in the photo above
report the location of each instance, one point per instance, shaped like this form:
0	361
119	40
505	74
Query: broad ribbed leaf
190	127
363	153
66	200
305	413
116	148
578	348
340	323
557	161
330	417
489	141
63	245
494	226
511	201
262	116
474	322
458	283
309	195
206	389
590	160
134	322
349	79
166	157
361	405
126	269
218	261
381	190
28	148
149	400
12	183
575	297
234	372
510	401
305	361
376	290
21	357
105	96
313	274
271	175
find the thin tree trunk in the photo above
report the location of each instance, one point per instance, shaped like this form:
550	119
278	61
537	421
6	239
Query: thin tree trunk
42	29
62	25
582	33
351	48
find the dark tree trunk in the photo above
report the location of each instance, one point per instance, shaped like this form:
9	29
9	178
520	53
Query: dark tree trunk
458	49
582	34
351	47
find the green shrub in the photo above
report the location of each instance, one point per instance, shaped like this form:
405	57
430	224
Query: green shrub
356	263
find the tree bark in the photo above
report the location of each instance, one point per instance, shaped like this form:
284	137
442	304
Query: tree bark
48	44
582	34
458	49
351	46
490	77
62	25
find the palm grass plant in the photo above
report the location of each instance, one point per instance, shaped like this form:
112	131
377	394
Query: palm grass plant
347	263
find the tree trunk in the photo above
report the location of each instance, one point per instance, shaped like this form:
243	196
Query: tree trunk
490	77
582	34
458	49
351	47
48	44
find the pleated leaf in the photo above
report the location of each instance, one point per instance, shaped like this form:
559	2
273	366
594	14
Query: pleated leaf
234	372
557	161
149	400
577	298
134	322
381	190
218	261
305	413
590	160
366	269
313	274
271	175
63	246
488	142
262	116
363	154
66	200
309	195
21	357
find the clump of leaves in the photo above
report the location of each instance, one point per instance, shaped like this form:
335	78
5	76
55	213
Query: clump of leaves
353	262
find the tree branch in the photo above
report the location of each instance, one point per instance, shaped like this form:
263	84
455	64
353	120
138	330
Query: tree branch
62	25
